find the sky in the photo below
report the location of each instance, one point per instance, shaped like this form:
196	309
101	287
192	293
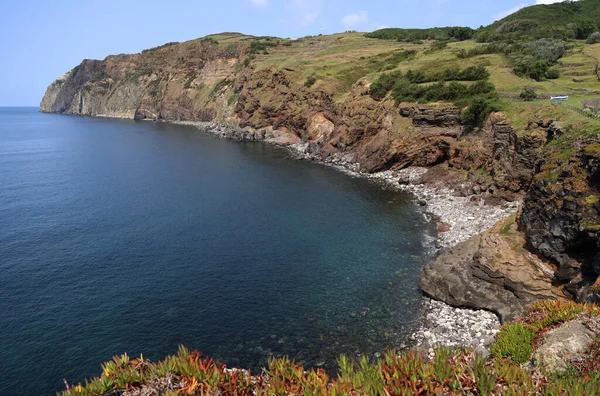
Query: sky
43	39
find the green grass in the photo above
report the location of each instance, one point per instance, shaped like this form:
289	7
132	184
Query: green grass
514	342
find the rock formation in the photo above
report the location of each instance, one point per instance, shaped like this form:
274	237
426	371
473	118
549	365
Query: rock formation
491	271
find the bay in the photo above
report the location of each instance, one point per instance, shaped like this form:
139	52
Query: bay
120	236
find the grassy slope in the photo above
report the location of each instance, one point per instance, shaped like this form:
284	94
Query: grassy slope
338	61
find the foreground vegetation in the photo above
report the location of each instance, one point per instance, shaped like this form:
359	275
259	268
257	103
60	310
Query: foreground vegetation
450	372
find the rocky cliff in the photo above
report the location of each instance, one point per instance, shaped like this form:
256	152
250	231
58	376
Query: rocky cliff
252	86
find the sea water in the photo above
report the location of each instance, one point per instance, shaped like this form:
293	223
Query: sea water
120	236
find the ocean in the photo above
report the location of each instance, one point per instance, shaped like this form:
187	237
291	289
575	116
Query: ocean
121	236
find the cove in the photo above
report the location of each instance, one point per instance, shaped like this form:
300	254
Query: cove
120	236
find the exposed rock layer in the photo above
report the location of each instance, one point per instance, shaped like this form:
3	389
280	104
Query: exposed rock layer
489	271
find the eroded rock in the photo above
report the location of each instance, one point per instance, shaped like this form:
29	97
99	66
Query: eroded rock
489	271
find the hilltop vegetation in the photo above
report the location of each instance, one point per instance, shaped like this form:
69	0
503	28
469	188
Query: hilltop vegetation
566	20
459	33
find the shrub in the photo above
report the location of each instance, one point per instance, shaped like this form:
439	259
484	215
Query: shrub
593	38
389	61
160	47
528	94
534	69
478	110
460	33
486	37
585	28
496	48
522	26
552	74
414	35
384	84
549	49
220	85
233	98
310	81
438	45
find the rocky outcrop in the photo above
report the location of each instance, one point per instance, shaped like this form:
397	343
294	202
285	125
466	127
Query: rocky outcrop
445	117
491	272
559	346
50	100
514	156
561	215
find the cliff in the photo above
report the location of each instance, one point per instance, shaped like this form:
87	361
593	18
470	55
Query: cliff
317	90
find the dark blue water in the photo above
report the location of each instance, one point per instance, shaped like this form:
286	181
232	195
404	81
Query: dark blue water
121	236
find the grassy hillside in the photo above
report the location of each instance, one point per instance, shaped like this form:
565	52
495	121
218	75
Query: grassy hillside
334	63
338	61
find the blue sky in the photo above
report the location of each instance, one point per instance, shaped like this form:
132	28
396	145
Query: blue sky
42	39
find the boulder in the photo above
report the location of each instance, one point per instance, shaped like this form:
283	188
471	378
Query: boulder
560	345
490	271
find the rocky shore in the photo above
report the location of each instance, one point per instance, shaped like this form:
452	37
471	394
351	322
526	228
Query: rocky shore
460	218
446	326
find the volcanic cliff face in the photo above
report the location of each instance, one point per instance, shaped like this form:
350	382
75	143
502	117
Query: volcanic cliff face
204	80
561	215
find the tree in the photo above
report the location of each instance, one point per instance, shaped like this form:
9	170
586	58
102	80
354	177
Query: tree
477	111
585	28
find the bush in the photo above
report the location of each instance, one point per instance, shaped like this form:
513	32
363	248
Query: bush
478	110
413	35
523	26
486	37
389	61
528	94
496	48
549	49
552	74
594	38
384	84
471	73
534	69
585	28
409	88
438	45
310	81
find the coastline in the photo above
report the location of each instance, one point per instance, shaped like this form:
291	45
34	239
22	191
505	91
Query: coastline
460	217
